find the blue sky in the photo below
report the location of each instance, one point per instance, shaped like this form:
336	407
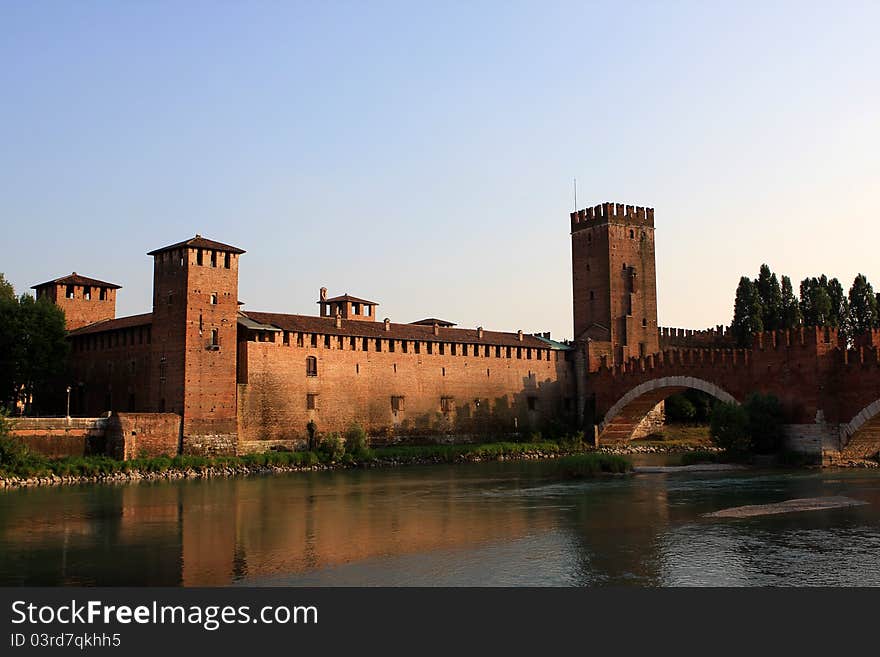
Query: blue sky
422	154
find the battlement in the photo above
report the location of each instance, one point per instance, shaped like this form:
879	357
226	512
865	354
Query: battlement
606	213
713	338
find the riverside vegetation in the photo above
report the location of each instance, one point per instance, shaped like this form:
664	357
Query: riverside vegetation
19	466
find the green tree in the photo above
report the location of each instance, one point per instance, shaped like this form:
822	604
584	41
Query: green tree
862	307
815	302
729	428
791	312
770	295
33	350
765	421
839	306
7	292
680	409
747	313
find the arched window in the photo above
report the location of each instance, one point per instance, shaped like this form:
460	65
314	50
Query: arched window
632	234
311	366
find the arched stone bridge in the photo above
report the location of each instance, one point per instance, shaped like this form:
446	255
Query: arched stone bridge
830	395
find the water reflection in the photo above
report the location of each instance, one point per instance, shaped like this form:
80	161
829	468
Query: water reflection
486	524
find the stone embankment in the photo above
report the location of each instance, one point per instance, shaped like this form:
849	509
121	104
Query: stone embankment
625	448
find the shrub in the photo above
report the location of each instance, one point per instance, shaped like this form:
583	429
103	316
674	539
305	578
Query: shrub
764	423
589	465
356	441
729	428
680	409
13	452
699	456
332	446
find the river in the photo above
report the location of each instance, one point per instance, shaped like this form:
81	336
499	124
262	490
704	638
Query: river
508	524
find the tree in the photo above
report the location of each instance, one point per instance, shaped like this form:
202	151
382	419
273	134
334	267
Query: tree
7	292
862	307
765	420
679	409
839	306
729	428
815	301
770	295
747	313
33	349
791	312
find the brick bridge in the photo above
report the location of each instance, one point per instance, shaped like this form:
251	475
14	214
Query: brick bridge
830	395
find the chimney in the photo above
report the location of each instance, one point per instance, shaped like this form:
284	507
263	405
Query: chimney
480	332
322	294
338	320
436	329
519	335
387	324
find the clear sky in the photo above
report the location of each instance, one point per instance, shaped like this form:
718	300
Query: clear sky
422	154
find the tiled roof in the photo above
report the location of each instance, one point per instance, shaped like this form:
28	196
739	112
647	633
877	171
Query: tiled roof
115	324
199	242
76	279
348	297
327	326
430	321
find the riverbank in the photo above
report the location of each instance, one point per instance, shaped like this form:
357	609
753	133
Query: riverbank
92	470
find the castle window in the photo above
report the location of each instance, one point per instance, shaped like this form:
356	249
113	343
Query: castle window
417	347
430	347
443	371
285	338
532	402
170	298
442	348
447	404
326	342
405	346
529	353
213	258
624	266
311	401
487	372
199	257
314	339
453	349
367	311
226	260
632	234
365	345
355	309
509	352
103	294
69	292
311	366
87	293
352	343
644	323
592	295
397	404
215	337
391	346
214	299
357	368
339	343
519	352
378	345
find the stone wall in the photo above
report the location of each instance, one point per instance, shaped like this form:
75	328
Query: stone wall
136	435
61	437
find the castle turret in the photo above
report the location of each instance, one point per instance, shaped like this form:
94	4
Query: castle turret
84	300
195	306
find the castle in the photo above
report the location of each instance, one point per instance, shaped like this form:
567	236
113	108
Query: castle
236	380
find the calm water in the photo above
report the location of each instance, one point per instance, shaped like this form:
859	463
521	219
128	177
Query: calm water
481	524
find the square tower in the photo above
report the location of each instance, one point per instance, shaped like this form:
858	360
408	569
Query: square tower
614	282
194	333
84	300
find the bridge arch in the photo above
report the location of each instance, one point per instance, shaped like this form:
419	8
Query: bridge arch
622	419
860	438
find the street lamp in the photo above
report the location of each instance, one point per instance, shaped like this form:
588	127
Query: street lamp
68	402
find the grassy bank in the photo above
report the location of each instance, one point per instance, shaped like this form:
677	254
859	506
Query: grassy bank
578	466
29	466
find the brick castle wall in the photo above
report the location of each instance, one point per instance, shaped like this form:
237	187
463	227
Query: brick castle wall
483	395
139	435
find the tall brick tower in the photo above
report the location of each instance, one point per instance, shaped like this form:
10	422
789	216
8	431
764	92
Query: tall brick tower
614	282
84	300
193	359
